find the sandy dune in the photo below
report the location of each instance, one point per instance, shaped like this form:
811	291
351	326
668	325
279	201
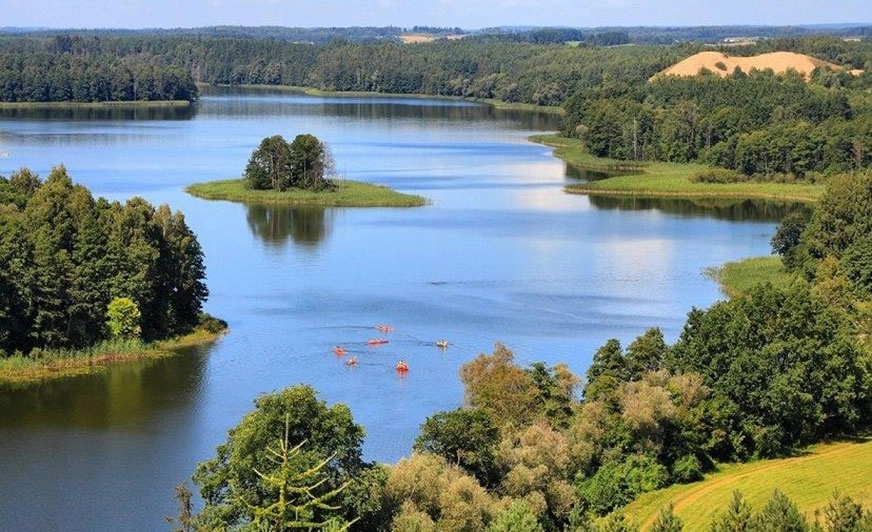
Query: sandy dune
779	62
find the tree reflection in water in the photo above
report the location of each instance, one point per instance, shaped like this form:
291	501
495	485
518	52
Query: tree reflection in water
275	225
735	210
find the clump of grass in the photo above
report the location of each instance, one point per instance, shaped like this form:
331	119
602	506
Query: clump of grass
343	194
737	278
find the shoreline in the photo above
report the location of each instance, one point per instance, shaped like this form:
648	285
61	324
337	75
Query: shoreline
665	180
23	371
311	91
347	194
95	105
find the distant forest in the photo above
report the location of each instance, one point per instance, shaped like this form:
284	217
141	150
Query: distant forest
754	124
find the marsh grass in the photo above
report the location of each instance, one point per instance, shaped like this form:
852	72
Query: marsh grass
44	364
672	180
343	194
737	278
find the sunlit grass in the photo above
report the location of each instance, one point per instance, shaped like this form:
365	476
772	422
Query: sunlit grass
344	194
737	278
809	480
50	364
657	179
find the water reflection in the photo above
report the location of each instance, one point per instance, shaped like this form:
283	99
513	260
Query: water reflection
717	208
123	395
115	112
589	174
276	225
249	102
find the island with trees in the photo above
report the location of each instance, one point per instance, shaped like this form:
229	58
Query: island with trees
85	282
299	173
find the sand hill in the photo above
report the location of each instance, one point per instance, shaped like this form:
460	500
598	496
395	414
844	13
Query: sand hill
724	65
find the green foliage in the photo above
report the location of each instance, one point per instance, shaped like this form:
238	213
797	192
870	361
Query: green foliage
494	384
234	483
687	469
617	483
785	360
842	217
719	175
279	165
465	437
737	517
296	502
102	76
667	521
518	517
780	514
67	256
124	318
607	370
856	263
787	237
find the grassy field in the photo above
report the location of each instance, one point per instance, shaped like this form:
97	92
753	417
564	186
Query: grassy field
346	194
655	179
736	278
19	370
809	480
96	105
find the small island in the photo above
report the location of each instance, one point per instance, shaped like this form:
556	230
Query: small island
295	174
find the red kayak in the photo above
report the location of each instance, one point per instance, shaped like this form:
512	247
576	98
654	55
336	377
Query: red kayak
402	367
376	341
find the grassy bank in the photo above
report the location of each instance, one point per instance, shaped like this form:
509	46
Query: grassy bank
345	194
656	179
93	105
19	370
808	479
736	278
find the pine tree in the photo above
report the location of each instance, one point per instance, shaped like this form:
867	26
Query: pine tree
737	518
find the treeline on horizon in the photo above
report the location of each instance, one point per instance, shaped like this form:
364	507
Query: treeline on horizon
66	256
371	34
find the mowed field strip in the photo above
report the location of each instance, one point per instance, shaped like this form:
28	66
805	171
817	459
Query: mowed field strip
809	480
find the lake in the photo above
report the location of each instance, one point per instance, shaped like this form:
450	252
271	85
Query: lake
500	254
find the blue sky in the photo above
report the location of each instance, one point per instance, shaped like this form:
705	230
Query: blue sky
468	14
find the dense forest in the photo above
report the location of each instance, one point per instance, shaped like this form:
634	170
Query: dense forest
99	78
65	257
755	124
538	448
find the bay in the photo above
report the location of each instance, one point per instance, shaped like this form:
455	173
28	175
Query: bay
500	254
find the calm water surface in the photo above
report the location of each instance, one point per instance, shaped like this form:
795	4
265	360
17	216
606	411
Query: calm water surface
501	254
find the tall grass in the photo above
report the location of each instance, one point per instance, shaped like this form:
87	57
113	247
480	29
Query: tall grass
42	364
737	278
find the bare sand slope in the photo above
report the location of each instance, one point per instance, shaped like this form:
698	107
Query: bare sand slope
724	65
